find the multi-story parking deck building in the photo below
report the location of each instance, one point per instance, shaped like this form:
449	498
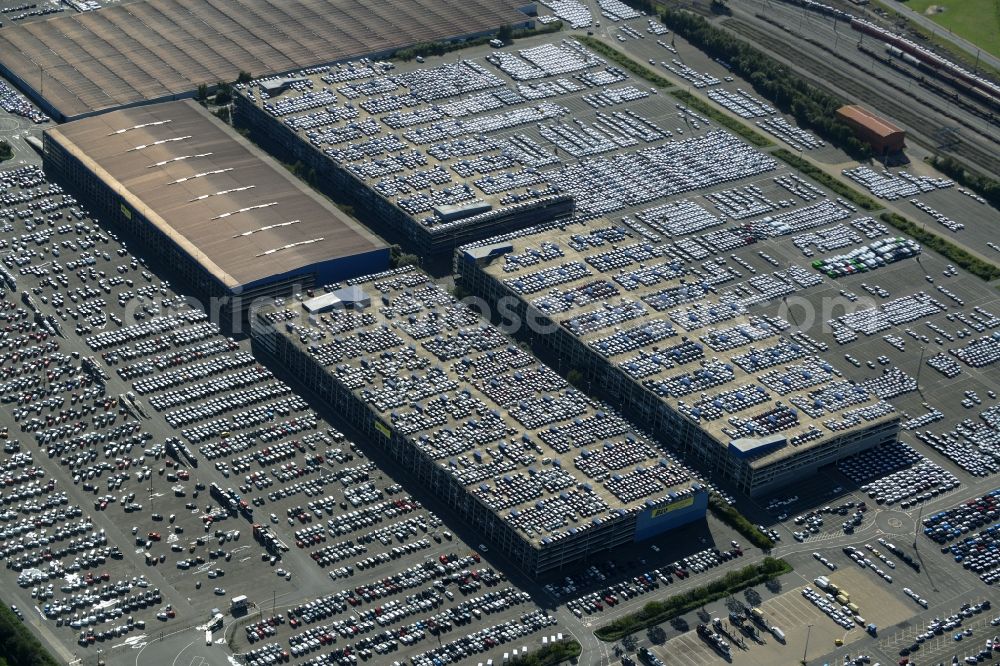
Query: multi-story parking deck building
360	153
666	340
546	474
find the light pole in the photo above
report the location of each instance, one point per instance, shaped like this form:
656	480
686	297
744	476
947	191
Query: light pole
809	628
920	366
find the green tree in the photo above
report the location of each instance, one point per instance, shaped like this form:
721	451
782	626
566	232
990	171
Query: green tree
986	187
223	93
18	645
656	635
223	114
6	150
244	77
720	7
406	259
505	34
202	94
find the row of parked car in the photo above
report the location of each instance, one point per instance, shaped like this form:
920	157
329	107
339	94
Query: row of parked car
645	582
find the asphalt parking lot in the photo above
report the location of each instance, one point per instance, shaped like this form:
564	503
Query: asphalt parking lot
19	119
288	447
173	555
954	204
937	406
80	410
154	504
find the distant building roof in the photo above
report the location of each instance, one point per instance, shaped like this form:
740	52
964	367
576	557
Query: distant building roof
449	212
879	126
139	52
230	207
353	296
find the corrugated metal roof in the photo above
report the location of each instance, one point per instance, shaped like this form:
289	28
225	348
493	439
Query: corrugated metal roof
143	51
239	213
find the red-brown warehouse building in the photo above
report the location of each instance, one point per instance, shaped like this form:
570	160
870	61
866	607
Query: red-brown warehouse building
883	136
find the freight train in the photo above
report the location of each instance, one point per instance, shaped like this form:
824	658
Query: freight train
980	95
928	58
976	85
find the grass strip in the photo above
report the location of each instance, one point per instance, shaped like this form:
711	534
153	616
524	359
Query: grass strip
728	514
822	177
721	118
954	253
658	612
550	655
625	62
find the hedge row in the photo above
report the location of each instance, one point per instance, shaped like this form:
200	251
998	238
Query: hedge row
658	612
550	655
958	255
727	121
625	62
984	186
826	179
18	645
730	516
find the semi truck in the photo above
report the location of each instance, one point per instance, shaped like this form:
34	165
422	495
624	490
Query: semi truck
239	604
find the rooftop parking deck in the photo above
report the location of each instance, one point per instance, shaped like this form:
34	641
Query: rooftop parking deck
688	331
444	146
515	434
130	424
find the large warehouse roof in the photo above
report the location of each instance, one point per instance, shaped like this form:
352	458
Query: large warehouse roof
239	213
146	51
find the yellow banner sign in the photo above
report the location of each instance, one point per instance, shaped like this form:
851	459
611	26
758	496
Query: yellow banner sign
125	211
382	428
672	507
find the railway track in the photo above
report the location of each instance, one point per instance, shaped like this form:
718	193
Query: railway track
819	72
